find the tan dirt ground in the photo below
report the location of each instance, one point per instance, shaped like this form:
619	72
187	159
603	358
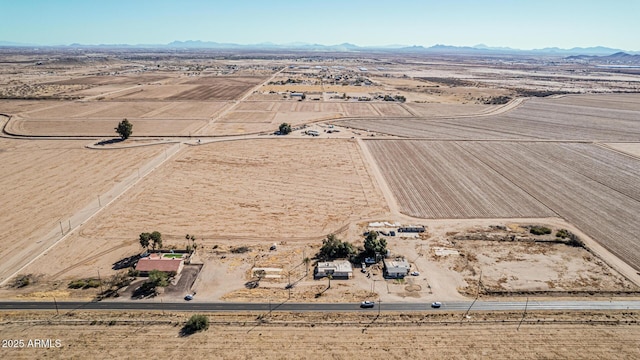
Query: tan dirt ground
589	335
291	191
264	190
47	181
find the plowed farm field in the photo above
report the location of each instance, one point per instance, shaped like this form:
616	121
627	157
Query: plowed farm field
111	79
594	188
442	180
217	88
607	118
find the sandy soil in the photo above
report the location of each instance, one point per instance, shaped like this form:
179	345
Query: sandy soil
610	335
632	149
291	191
46	182
239	190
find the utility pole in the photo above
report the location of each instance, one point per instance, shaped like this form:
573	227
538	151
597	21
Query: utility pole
61	229
56	303
526	304
100	281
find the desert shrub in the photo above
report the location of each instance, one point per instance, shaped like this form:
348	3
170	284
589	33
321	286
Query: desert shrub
497	100
133	272
540	230
196	323
84	284
284	128
575	241
158	278
22	281
240	250
563	233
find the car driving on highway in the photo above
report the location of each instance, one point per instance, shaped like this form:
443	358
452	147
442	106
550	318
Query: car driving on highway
367	304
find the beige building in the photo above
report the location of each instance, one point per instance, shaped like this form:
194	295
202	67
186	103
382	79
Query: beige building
338	269
396	268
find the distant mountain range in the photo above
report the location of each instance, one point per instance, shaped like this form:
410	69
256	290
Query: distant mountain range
347	47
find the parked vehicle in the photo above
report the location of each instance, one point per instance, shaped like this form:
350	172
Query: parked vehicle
188	297
409	229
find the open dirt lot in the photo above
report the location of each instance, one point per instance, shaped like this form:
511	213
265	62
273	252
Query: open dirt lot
100	118
46	181
577	335
503	257
264	190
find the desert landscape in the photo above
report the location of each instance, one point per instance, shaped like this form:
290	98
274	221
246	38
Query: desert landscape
524	181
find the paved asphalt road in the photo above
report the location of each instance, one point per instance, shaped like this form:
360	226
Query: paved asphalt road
302	307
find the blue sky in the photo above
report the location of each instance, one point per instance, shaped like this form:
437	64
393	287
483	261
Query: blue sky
519	24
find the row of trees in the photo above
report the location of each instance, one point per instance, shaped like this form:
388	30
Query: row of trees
333	248
154	239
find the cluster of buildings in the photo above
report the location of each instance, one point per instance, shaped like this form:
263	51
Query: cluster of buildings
342	269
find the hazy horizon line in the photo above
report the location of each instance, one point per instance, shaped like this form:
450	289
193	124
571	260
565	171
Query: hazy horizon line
302	44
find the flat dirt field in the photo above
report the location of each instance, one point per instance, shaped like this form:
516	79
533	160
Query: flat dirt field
99	118
505	255
46	181
274	190
576	335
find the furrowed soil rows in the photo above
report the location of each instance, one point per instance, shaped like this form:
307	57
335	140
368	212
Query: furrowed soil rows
285	107
391	110
554	119
106	80
417	128
186	109
431	110
595	190
359	109
248	117
217	88
441	180
153	92
332	107
255	106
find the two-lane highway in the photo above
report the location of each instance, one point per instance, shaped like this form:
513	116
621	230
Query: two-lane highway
321	307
